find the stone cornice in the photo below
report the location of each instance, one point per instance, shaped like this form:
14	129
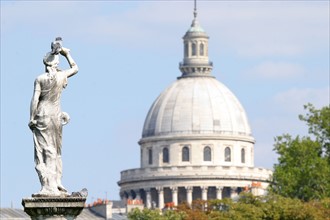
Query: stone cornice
197	137
53	199
53	207
194	178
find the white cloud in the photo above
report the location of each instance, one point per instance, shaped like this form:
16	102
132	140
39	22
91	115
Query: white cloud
276	70
271	28
95	22
293	99
249	28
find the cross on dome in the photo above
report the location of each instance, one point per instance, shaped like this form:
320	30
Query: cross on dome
195	8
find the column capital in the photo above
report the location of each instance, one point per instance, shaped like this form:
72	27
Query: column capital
160	189
204	188
129	193
137	194
147	190
234	188
189	188
233	192
174	188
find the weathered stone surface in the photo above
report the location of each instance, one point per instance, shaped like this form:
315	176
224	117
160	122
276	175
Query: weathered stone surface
53	208
47	120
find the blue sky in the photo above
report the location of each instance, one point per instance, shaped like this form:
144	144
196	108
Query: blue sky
273	55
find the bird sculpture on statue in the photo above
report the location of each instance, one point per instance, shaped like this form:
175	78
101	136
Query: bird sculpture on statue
56	46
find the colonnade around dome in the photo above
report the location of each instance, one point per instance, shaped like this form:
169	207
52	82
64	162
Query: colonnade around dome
160	197
156	186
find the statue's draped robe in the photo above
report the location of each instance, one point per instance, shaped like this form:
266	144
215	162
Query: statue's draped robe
48	131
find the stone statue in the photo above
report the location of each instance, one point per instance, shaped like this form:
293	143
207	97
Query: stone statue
47	119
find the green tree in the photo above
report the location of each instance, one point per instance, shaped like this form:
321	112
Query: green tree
145	214
318	121
303	169
269	207
148	214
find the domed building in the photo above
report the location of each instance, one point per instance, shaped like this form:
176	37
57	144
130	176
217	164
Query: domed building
196	141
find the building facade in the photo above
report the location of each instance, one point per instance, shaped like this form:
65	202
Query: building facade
196	141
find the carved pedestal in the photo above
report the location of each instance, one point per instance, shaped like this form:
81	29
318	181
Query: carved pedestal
53	208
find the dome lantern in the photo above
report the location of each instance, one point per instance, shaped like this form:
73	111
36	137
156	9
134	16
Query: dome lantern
195	42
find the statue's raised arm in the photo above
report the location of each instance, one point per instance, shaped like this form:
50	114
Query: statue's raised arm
73	66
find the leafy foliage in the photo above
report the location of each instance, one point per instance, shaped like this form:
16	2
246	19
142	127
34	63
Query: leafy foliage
303	169
270	207
318	121
156	214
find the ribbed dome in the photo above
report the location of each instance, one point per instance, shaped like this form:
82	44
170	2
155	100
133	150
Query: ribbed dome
196	105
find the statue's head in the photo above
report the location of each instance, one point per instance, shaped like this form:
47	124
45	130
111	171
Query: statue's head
51	62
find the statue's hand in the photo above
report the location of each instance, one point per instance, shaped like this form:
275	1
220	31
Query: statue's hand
32	124
65	51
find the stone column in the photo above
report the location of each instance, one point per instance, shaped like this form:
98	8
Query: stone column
148	198
189	190
175	195
204	192
160	197
123	197
219	192
233	192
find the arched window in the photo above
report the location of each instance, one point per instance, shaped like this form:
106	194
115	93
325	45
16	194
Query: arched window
242	155
193	49
166	156
186	50
185	153
207	153
150	156
227	154
201	49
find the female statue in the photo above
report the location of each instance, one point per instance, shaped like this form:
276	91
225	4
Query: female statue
47	119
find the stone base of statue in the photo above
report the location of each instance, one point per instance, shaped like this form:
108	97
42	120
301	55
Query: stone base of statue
53	208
